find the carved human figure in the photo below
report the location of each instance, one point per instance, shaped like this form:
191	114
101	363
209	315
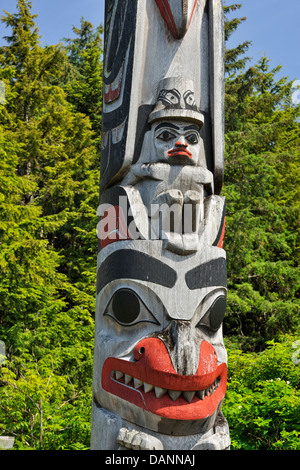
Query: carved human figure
177	143
171	177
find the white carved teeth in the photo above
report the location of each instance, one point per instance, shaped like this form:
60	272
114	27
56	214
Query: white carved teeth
128	379
137	383
201	394
174	394
148	387
188	396
160	392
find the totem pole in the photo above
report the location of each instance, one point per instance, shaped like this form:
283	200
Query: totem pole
160	364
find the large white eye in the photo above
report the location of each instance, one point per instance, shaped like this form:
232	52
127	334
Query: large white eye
214	316
166	135
127	309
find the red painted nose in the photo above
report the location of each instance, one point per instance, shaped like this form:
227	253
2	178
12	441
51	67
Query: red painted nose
181	144
154	355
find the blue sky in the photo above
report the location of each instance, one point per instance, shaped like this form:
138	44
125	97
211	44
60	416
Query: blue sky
271	25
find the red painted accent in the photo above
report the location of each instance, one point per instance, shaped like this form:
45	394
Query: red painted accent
167	15
180	144
193	12
220	244
180	151
153	366
112	94
113	218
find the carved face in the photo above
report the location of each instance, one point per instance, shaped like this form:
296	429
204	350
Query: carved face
177	142
159	352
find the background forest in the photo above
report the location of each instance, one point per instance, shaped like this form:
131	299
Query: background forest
50	123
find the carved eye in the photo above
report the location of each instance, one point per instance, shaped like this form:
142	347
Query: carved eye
166	135
215	315
192	138
127	309
172	97
189	98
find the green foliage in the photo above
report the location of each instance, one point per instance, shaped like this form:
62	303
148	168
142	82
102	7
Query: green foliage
262	403
83	80
262	191
48	197
44	412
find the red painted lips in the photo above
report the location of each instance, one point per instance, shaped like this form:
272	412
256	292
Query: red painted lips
180	152
152	383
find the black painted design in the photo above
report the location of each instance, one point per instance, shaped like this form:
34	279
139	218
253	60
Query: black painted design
119	43
126	306
173	99
215	315
170	98
142	127
127	309
131	264
189	99
213	273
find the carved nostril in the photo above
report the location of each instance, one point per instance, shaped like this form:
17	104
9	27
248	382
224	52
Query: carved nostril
139	351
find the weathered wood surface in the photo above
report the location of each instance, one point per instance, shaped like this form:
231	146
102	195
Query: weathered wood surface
6	442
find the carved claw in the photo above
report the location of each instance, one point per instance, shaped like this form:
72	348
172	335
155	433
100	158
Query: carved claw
136	440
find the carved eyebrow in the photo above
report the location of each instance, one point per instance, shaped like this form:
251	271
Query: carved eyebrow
131	264
167	124
213	273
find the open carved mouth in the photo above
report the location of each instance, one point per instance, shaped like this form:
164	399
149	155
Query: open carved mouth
160	392
152	383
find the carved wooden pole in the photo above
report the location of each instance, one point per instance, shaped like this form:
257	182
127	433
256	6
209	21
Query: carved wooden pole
160	366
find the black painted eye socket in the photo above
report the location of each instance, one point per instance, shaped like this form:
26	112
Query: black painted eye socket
193	138
166	135
126	306
215	315
127	309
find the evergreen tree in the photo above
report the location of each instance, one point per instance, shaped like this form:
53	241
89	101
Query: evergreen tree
233	61
49	172
261	186
83	81
262	191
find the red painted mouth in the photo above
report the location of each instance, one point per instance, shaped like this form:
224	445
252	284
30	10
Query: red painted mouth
180	152
152	383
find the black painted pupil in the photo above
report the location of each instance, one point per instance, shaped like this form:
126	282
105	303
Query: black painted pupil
193	139
126	306
217	313
166	135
